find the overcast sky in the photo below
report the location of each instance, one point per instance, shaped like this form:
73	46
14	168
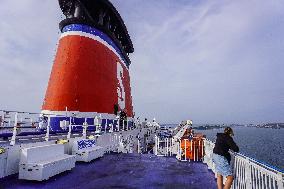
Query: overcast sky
210	61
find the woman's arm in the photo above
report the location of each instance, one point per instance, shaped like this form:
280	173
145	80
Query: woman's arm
233	146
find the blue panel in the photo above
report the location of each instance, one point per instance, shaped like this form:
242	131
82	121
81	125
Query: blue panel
82	144
78	122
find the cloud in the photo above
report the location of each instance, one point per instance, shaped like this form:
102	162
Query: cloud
203	60
28	37
212	61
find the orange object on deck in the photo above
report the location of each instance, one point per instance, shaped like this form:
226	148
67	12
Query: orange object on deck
193	149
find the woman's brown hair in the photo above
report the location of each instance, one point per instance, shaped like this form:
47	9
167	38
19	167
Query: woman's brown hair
229	131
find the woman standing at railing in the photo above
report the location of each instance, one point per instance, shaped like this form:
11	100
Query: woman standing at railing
222	158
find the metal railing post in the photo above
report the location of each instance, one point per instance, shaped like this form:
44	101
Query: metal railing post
280	181
198	150
138	146
85	126
202	147
156	145
69	131
47	129
13	140
113	125
185	158
167	146
118	124
105	127
248	179
158	142
172	145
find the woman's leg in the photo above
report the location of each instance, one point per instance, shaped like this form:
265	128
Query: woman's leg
229	182
220	181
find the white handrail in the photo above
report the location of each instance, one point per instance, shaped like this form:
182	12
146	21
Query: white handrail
248	172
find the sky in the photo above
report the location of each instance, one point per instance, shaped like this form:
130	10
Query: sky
209	61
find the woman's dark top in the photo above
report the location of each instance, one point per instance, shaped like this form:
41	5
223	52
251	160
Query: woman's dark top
223	143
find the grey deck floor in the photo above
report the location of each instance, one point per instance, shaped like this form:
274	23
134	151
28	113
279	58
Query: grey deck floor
126	171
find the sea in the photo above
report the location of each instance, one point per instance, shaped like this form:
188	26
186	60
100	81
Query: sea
263	144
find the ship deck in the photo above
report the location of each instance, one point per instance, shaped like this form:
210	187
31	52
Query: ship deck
126	171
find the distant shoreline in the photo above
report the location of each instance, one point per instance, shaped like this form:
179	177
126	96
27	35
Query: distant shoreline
266	126
219	126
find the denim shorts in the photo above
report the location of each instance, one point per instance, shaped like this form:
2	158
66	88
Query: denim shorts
222	165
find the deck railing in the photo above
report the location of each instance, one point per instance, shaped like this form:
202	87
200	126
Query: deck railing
183	149
22	120
248	172
163	147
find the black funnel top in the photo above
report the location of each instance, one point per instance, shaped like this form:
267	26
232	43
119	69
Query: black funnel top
100	14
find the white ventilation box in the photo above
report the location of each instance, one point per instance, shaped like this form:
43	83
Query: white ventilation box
86	150
3	163
42	162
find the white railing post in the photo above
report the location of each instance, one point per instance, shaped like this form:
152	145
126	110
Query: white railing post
172	142
248	179
280	181
235	172
111	128
69	131
138	146
105	127
85	126
170	146
198	153
156	145
177	156
13	140
193	150
185	158
118	124
2	118
202	148
70	122
167	147
97	125
180	150
113	125
47	129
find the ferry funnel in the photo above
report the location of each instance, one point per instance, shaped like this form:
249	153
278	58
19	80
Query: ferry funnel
90	74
